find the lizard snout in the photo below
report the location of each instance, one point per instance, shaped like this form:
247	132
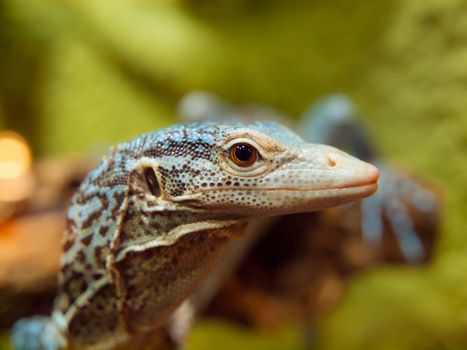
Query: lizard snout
362	172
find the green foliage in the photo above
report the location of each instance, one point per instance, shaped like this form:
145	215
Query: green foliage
416	90
5	342
86	101
214	334
106	63
409	309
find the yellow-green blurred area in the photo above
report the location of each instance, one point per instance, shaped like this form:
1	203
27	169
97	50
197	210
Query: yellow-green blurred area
76	76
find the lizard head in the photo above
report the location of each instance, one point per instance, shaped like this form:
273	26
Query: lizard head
253	169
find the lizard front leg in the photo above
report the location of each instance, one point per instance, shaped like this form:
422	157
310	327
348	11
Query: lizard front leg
333	120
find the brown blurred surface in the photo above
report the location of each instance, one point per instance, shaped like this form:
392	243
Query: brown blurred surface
30	239
29	260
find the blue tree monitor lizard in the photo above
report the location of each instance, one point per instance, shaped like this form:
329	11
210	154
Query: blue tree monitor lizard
146	226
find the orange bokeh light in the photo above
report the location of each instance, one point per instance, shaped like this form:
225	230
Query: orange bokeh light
15	155
16	179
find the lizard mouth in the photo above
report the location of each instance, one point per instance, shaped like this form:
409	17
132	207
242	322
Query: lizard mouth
364	189
282	200
372	187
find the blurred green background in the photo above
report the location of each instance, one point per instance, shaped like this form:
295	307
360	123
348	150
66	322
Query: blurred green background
78	75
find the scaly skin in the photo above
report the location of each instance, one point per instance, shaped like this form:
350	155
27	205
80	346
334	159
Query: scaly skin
149	222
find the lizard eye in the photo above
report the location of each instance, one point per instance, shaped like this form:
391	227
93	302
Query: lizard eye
243	154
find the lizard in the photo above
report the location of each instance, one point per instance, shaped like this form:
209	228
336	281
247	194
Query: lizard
148	223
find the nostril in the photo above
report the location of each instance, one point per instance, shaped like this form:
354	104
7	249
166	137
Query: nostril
331	160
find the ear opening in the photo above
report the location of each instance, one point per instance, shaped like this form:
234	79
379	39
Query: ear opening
151	181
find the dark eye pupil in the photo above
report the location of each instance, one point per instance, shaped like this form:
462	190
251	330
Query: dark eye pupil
243	152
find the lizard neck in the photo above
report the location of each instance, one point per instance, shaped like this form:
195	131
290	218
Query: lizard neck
155	277
167	227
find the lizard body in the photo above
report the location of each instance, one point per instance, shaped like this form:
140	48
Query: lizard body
333	120
147	225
